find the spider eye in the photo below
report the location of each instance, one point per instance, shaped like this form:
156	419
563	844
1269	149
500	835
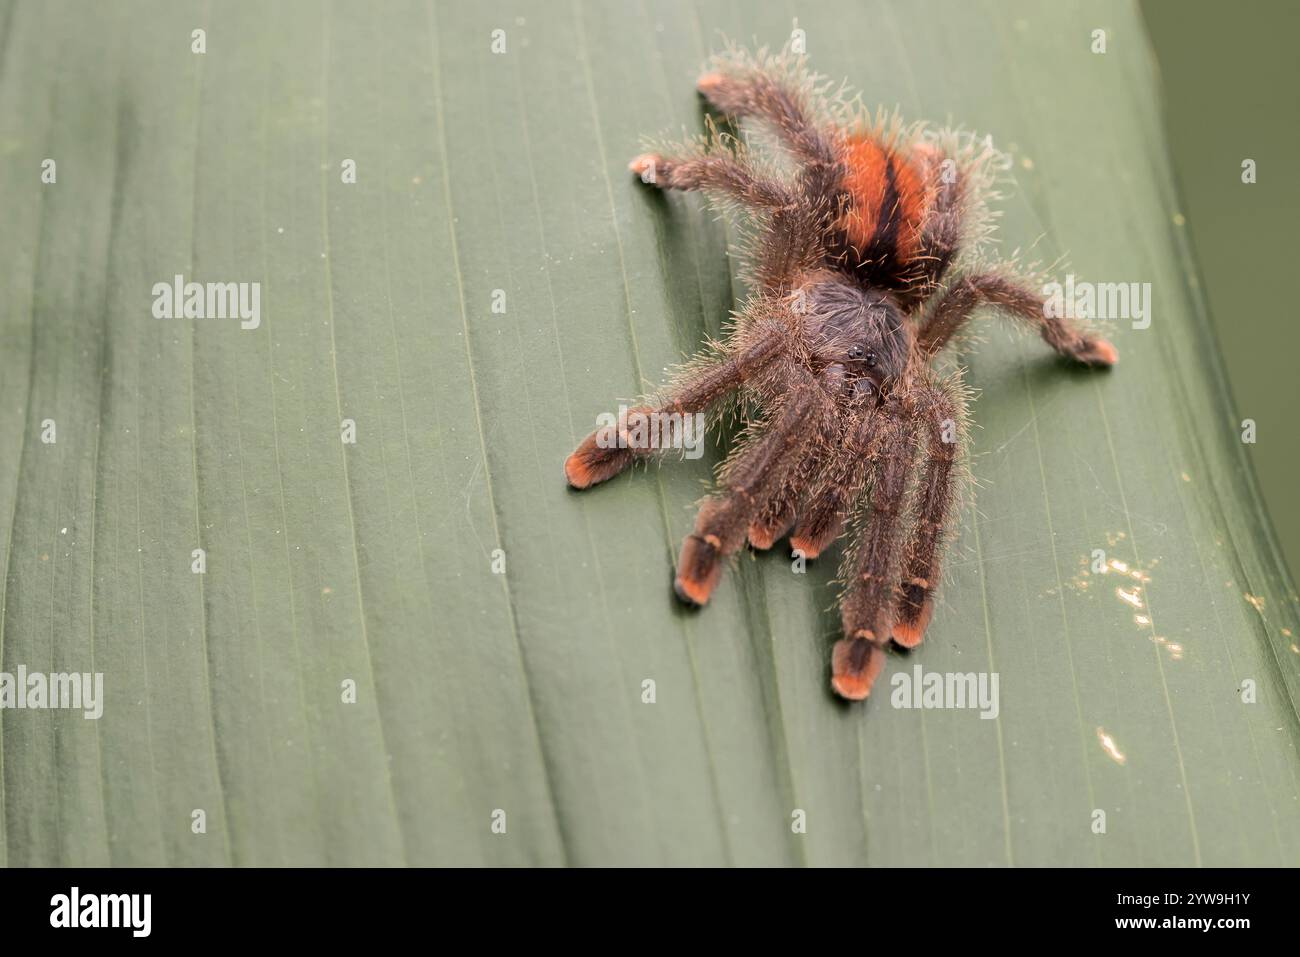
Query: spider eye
856	352
870	360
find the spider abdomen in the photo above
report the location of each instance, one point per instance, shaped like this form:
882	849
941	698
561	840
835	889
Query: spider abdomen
885	208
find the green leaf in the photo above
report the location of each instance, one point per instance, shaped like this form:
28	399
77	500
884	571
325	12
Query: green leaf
373	563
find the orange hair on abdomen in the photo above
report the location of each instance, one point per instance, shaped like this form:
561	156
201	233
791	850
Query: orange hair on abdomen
887	195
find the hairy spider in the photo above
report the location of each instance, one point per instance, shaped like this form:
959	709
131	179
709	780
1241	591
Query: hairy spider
860	268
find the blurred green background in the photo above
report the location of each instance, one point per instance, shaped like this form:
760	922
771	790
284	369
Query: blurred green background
1231	84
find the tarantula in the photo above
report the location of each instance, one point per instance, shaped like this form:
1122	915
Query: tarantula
858	274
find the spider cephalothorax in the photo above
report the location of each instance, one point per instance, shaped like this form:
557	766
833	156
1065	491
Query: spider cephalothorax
859	334
861	271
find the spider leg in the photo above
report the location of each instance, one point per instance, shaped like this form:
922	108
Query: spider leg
821	520
955	306
777	516
932	512
608	451
784	108
834	469
799	213
716	171
752	93
866	609
757	472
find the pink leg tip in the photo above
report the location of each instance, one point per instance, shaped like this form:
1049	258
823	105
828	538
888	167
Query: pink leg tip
709	82
646	161
1102	353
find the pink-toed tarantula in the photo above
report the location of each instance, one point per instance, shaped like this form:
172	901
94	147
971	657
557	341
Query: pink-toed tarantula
858	271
